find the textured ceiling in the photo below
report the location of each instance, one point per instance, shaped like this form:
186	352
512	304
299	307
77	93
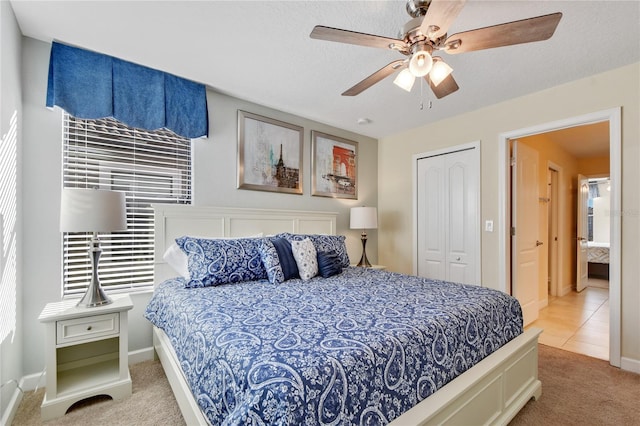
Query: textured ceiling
261	51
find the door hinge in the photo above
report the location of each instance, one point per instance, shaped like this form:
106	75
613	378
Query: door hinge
513	231
513	161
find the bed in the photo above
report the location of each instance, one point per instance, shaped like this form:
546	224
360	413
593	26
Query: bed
598	258
347	349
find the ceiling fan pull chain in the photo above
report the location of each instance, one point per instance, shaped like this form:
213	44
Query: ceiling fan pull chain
422	97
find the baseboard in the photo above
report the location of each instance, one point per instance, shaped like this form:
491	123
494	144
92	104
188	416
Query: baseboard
630	364
12	408
565	290
33	381
141	355
543	303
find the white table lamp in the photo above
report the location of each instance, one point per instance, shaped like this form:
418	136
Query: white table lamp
93	210
364	218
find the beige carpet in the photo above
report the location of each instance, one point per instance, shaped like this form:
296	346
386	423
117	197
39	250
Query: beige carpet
151	403
576	390
579	390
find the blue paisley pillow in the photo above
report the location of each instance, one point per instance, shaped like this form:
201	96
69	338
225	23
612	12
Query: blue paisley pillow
271	262
213	261
323	243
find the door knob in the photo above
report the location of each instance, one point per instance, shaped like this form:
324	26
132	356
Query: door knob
539	243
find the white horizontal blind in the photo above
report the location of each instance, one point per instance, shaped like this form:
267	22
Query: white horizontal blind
150	167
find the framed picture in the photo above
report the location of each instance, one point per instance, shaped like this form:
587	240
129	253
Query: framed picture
269	154
334	163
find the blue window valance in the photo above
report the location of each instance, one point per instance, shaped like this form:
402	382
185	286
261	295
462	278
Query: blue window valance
91	85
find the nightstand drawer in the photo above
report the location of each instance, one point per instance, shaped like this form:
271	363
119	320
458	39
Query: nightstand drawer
87	328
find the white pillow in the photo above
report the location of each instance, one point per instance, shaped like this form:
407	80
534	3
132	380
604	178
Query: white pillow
178	260
306	258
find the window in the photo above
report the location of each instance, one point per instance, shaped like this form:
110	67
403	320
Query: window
150	167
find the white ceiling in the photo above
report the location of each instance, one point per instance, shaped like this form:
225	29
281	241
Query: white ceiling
260	51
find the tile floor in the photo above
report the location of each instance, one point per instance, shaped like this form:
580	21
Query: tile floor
578	322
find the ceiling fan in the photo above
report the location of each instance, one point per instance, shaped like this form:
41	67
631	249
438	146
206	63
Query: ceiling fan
426	33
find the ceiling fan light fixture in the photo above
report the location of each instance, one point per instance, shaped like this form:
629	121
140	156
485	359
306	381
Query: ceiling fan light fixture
439	71
405	80
421	63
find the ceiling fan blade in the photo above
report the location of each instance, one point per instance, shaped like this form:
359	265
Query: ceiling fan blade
516	32
361	39
375	77
441	13
446	87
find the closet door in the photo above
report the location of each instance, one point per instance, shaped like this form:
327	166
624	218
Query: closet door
448	217
432	250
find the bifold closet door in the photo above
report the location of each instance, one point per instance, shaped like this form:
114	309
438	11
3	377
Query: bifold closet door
447	217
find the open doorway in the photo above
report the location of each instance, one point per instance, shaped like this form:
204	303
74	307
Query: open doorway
572	304
566	245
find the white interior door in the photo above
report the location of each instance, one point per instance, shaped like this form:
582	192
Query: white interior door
431	218
524	222
462	213
582	233
448	217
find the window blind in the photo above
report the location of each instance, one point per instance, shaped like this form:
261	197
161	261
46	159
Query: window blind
150	167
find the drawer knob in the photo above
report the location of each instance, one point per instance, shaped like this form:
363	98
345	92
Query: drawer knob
89	328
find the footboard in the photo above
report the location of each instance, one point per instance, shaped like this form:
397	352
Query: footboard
492	392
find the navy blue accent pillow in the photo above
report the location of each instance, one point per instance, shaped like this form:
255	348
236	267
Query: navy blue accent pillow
329	263
287	261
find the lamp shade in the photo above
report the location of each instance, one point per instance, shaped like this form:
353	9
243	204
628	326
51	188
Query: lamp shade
439	71
92	210
420	63
364	218
405	80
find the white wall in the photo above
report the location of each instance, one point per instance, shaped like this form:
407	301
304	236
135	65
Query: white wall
11	325
620	87
214	184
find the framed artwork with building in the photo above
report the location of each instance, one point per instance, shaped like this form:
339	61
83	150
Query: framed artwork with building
269	154
334	164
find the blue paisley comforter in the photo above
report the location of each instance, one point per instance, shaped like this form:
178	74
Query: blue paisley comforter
361	347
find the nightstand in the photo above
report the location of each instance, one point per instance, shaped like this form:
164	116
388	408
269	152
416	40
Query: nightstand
86	353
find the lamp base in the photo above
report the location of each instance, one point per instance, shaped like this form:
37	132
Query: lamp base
94	295
364	262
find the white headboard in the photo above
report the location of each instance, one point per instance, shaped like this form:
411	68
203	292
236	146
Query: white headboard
174	220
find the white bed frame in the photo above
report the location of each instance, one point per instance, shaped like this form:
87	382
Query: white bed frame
491	392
